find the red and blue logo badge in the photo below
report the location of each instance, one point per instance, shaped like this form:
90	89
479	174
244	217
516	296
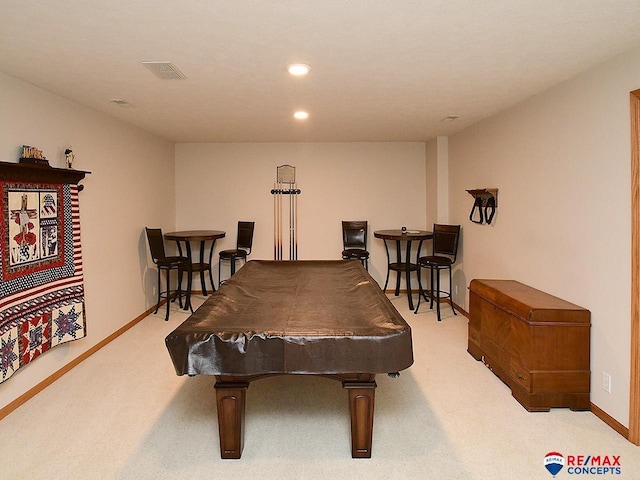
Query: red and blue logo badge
553	462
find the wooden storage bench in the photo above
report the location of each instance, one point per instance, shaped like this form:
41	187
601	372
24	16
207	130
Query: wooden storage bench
534	342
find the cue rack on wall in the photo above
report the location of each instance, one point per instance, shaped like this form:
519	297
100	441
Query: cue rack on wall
285	185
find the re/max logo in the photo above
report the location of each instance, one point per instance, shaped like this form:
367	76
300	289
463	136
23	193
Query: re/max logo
595	460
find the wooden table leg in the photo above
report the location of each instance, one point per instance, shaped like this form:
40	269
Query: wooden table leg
231	401
231	394
361	407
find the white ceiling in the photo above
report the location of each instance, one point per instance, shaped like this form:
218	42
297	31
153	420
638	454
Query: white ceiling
382	70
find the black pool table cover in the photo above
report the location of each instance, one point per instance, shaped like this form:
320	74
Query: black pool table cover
294	317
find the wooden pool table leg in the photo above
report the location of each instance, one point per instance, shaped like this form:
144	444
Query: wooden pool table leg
231	399
361	407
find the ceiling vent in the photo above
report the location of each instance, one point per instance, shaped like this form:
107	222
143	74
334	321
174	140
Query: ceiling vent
165	70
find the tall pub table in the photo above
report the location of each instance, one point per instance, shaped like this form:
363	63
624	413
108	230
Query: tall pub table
399	266
202	236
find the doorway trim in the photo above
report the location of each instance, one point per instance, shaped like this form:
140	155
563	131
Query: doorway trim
634	400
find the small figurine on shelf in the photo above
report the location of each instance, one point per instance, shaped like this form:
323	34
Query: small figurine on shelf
68	153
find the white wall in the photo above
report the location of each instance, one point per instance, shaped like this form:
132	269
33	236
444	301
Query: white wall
561	161
130	186
219	184
443	179
431	150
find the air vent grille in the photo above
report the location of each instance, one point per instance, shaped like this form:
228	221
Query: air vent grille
165	70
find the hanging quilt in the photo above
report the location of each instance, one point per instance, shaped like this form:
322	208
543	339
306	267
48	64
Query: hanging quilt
41	284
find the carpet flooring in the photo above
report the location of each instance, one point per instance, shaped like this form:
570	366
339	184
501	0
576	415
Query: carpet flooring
124	414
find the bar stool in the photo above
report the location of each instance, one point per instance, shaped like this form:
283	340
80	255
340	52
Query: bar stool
445	251
179	263
354	241
244	242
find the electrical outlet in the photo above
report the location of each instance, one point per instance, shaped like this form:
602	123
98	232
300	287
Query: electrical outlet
606	382
155	291
455	289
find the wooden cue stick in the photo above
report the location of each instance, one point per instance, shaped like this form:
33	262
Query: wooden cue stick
293	219
296	221
275	221
290	223
279	221
278	217
293	216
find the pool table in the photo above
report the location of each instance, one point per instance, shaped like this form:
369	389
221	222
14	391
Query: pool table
314	317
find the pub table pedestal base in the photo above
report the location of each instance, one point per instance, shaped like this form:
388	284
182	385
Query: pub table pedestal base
400	266
201	236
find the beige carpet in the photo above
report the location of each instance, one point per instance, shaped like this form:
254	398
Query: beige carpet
124	414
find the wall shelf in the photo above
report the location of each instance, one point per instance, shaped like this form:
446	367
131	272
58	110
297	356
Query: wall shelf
39	173
484	194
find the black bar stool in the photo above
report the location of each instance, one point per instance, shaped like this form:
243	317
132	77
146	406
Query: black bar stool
445	251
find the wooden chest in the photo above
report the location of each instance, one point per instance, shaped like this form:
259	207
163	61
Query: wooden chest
536	343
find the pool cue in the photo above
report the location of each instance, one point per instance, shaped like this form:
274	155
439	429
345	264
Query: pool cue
279	221
275	222
295	222
290	223
277	197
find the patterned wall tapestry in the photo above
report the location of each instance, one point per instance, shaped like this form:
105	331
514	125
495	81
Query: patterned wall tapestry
41	284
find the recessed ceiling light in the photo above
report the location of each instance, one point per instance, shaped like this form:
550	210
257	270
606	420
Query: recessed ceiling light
298	69
301	115
450	118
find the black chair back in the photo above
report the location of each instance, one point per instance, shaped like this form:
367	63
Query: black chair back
156	244
445	240
245	236
354	234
